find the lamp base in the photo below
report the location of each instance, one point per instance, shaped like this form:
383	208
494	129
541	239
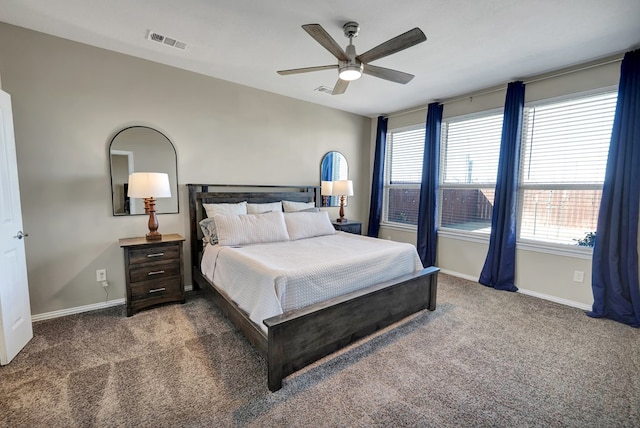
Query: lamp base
150	206
342	220
154	236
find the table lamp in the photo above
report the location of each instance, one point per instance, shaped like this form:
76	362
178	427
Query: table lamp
342	188
148	186
325	191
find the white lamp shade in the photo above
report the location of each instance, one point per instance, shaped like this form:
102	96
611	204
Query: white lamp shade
149	185
342	187
326	187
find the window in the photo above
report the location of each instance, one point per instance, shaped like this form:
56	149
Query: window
403	175
469	167
564	156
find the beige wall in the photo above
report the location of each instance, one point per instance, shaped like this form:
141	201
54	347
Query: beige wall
69	99
538	273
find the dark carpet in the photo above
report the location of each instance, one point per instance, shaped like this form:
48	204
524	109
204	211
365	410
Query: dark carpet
483	358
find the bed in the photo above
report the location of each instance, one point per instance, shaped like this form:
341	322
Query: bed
296	334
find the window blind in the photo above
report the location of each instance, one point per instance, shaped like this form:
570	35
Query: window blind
403	175
568	142
564	157
471	151
406	152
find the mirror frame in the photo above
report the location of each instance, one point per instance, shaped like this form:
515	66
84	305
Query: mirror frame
333	201
174	185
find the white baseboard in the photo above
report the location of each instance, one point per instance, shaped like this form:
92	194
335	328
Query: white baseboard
85	308
555	299
543	296
77	310
460	275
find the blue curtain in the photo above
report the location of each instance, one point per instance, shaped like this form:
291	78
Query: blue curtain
377	181
428	209
327	167
616	291
499	269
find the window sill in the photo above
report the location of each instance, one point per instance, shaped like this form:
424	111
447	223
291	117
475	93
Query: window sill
585	253
399	226
481	238
576	251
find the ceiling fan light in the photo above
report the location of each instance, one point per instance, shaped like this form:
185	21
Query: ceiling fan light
350	72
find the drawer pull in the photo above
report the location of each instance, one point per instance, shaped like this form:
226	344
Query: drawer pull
155	272
155	255
157	290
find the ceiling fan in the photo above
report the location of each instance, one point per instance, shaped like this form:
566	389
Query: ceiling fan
351	66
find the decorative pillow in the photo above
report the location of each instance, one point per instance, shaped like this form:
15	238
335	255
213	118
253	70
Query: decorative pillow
222	209
251	228
290	206
310	210
264	208
308	224
208	227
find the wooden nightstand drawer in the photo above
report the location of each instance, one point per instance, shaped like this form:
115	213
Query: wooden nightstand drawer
154	254
156	289
154	298
349	226
154	271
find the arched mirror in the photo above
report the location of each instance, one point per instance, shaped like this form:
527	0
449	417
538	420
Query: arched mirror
332	168
141	149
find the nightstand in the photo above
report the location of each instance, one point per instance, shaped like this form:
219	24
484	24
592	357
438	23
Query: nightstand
153	271
348	226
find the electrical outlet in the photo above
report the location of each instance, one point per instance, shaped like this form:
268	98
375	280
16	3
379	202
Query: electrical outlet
101	275
578	276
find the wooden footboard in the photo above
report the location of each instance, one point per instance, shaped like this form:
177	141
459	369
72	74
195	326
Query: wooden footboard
238	317
298	338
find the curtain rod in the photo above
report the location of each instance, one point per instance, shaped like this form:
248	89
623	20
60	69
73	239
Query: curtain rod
594	64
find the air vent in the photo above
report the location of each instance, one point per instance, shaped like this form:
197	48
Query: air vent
324	89
165	40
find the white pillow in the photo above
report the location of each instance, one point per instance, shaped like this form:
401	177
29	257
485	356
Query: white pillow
290	206
213	209
251	228
307	224
222	209
264	208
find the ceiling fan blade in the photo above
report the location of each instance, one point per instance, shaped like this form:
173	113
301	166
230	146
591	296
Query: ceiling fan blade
387	74
307	69
321	36
401	42
340	87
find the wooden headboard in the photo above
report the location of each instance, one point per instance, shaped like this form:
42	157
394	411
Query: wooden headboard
232	193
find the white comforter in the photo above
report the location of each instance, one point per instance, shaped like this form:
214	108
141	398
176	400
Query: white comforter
268	279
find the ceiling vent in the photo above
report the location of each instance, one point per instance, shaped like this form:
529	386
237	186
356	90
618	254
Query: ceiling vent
324	89
165	40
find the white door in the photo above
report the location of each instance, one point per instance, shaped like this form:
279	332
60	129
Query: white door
15	311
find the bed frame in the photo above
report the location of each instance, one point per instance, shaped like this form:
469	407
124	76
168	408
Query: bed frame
297	338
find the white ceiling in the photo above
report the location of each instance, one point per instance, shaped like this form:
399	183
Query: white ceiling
471	44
